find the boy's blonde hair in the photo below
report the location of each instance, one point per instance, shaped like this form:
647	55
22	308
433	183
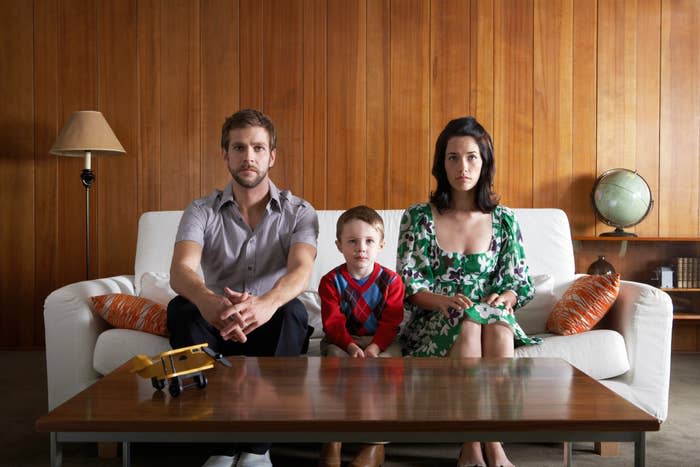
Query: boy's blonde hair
363	213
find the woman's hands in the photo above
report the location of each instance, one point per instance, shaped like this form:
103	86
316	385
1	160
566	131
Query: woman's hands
440	303
445	303
507	298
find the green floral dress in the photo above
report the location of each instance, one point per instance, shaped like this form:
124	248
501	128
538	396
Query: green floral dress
423	265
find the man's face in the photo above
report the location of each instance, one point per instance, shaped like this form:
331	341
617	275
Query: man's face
248	155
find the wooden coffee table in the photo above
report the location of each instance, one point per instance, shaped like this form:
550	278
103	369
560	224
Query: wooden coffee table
312	399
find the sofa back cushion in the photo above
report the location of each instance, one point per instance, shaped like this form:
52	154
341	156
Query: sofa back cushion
546	235
155	243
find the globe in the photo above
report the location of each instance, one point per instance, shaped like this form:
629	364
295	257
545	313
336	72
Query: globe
621	198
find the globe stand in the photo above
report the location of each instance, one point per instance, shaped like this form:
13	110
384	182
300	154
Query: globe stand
618	233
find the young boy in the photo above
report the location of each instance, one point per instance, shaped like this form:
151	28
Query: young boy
361	301
361	308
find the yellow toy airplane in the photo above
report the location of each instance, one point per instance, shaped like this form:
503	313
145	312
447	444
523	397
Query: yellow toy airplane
173	365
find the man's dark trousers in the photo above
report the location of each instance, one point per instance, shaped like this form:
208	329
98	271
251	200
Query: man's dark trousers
286	334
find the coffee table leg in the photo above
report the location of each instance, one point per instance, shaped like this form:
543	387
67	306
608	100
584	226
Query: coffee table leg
56	451
640	450
126	454
568	457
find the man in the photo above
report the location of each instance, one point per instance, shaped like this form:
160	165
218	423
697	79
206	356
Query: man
256	246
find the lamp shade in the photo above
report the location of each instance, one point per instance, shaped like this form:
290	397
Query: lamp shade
86	130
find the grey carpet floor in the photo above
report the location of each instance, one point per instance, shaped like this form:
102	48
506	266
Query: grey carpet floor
23	390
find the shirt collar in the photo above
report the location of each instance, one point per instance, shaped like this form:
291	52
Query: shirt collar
227	197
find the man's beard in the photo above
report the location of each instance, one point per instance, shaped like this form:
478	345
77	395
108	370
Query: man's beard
247	183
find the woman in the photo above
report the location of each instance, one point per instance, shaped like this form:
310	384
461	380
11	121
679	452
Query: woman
462	261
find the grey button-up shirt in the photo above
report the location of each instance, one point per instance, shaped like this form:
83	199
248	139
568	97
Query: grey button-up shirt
239	258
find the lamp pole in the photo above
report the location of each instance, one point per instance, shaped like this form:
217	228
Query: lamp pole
87	176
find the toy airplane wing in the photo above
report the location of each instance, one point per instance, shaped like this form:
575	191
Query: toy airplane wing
217	356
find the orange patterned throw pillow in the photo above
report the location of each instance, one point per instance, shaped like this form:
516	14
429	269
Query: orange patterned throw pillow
132	312
584	304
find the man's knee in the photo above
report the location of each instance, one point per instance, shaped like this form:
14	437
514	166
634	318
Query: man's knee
180	310
295	317
294	329
181	319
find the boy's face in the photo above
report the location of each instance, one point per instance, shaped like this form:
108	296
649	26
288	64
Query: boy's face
360	243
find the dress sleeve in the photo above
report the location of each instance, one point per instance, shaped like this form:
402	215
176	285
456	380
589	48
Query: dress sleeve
331	315
392	315
512	272
413	252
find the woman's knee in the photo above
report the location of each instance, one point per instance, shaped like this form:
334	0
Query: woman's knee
468	343
498	340
470	330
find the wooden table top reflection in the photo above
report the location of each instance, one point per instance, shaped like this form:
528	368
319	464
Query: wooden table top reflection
316	394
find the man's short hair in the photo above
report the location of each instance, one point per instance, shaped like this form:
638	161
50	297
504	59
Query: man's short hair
246	118
363	213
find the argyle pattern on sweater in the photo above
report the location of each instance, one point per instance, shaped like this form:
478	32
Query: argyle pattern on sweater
362	310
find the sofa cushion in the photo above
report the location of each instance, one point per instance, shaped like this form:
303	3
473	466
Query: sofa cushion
132	312
116	346
156	286
600	353
584	304
533	316
312	303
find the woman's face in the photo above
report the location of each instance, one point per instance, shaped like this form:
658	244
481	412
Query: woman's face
463	162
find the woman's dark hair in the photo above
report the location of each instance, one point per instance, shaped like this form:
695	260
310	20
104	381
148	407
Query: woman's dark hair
486	199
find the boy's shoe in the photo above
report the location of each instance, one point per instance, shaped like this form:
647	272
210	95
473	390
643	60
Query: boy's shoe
248	459
371	455
220	461
330	455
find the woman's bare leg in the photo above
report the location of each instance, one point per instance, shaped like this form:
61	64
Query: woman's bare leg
498	342
467	345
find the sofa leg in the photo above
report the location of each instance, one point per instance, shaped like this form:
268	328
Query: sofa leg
609	449
106	450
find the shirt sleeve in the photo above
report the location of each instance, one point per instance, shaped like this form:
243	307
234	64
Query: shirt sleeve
392	315
306	226
192	224
331	315
413	252
511	271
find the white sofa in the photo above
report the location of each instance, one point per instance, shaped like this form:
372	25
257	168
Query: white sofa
629	351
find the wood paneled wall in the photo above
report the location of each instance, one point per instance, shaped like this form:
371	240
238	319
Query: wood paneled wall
359	91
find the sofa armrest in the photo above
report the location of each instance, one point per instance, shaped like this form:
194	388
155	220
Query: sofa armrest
71	329
644	316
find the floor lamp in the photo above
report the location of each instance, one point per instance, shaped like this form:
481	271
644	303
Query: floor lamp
87	134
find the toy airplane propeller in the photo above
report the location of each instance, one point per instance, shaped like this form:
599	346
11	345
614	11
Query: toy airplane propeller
174	365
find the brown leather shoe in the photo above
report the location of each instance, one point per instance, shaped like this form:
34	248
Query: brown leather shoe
371	455
330	455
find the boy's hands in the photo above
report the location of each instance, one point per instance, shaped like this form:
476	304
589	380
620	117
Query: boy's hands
372	350
355	351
